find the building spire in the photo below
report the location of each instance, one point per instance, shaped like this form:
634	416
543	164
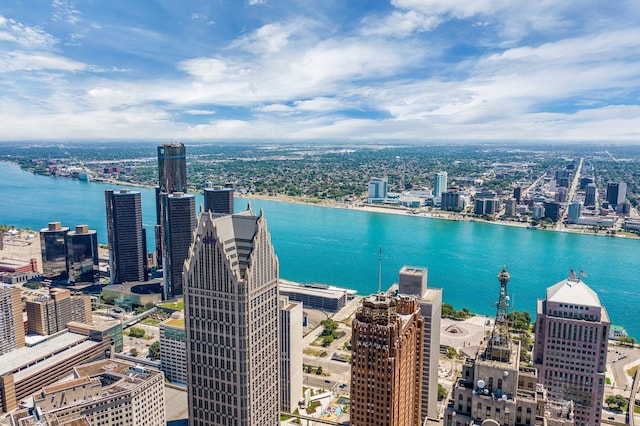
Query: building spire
380	271
499	346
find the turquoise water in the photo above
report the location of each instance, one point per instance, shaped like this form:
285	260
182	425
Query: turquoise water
340	247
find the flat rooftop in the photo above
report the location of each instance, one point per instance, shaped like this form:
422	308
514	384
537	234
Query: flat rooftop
312	290
172	322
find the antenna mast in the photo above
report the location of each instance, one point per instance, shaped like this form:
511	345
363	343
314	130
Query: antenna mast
380	270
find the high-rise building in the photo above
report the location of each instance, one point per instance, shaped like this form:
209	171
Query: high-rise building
561	194
126	235
173	350
82	246
510	207
377	190
518	192
218	200
439	184
53	244
573	212
495	389
231	318
571	319
11	324
49	314
552	210
590	195
109	392
413	281
584	181
450	200
179	221
291	346
386	363
616	194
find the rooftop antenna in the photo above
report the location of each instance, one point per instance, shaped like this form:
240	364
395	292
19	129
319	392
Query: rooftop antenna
380	270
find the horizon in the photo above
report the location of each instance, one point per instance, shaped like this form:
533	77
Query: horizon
397	71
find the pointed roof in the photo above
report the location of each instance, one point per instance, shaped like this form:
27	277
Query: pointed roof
573	290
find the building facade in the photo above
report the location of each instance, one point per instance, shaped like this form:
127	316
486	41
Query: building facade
126	235
218	200
616	194
291	346
11	324
377	190
571	320
231	319
386	363
439	184
173	350
590	195
53	244
178	224
82	246
49	314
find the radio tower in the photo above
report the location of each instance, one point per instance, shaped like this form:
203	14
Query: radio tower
499	345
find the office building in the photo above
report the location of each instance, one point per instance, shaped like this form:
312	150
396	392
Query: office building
386	363
590	195
377	191
218	200
173	350
107	392
231	318
494	389
573	212
11	322
571	320
537	211
518	193
126	235
49	313
616	194
178	224
584	181
172	177
23	371
484	206
552	210
510	207
53	244
439	184
82	246
291	346
109	330
413	281
316	296
451	200
561	194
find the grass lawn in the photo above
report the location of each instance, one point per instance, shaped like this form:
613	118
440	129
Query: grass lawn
632	371
312	352
179	305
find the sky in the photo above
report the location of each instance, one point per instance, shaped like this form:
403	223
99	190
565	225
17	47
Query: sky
334	70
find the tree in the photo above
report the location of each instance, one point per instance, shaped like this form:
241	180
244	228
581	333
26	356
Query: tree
442	392
133	352
519	321
617	400
626	340
136	332
451	352
319	370
154	350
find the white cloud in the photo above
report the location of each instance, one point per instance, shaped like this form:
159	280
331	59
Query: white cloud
255	2
27	61
199	112
64	11
29	37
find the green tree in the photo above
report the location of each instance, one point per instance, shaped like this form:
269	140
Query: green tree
442	392
133	352
136	332
519	321
319	370
616	400
451	352
154	350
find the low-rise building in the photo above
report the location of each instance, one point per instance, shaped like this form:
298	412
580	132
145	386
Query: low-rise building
173	350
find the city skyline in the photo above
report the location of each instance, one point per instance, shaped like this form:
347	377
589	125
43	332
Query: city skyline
398	70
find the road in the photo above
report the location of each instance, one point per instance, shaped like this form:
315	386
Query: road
572	190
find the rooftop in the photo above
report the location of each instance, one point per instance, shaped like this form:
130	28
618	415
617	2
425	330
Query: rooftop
573	290
173	322
331	292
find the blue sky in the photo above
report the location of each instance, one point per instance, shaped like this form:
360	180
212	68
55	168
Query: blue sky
342	70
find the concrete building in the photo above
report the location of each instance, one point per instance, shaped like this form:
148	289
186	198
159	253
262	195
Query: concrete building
413	281
25	370
316	296
108	392
231	315
386	364
377	191
562	194
82	246
573	212
552	210
179	221
11	322
590	195
126	235
451	200
49	313
291	345
616	194
571	320
134	293
484	206
510	207
218	200
537	211
173	350
495	390
439	184
53	244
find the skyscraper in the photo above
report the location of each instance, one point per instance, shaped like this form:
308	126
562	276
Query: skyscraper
590	195
179	222
218	200
377	190
126	236
231	314
11	324
53	244
82	246
386	363
49	314
413	281
570	351
291	346
172	177
439	184
616	194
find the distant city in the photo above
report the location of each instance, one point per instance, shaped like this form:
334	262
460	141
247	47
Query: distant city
204	331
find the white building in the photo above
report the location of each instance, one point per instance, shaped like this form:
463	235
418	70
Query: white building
377	192
291	346
173	350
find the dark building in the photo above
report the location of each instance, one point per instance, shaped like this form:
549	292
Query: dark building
127	237
450	201
517	193
53	244
552	210
486	206
585	181
563	182
616	194
179	222
590	195
218	200
82	246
